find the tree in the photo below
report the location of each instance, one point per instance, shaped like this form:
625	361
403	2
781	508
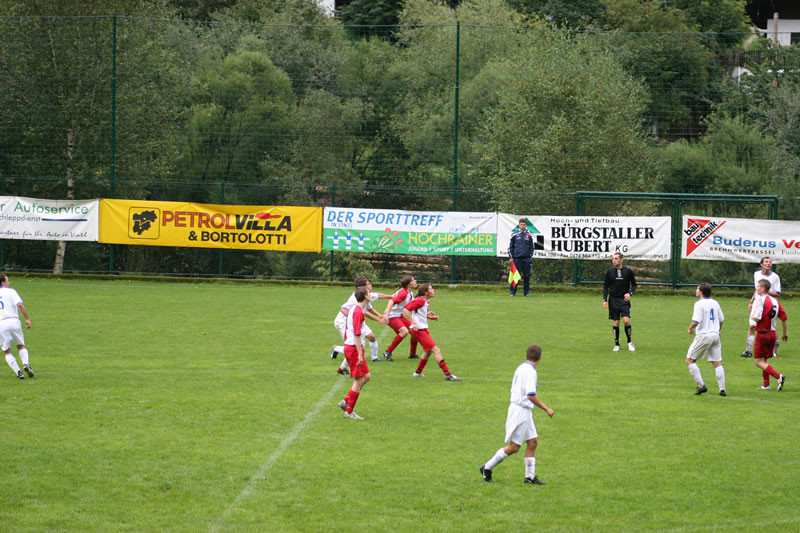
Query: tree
57	98
241	115
655	43
574	14
734	157
567	119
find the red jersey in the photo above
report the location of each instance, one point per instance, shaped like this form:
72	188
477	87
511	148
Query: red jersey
355	320
766	313
419	311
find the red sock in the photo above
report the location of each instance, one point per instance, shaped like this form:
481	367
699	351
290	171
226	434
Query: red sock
421	365
397	339
765	377
772	372
351	399
414	343
443	366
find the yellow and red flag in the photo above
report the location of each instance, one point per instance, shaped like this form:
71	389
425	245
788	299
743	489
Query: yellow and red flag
513	275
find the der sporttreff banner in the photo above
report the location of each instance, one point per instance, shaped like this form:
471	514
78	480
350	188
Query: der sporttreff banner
48	220
249	227
391	231
585	237
739	239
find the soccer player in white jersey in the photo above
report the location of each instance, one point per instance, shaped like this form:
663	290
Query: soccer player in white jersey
396	320
765	272
519	422
340	322
707	319
354	352
418	312
11	328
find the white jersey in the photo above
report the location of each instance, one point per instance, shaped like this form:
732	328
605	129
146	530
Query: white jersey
397	308
524	383
773	278
352	301
419	311
9	300
708	316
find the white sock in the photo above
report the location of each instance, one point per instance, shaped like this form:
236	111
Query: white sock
23	354
496	460
12	362
530	467
751	340
344	363
338	348
374	347
695	372
720	377
775	350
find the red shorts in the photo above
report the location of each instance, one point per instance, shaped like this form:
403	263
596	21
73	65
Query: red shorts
398	322
424	339
765	345
356	370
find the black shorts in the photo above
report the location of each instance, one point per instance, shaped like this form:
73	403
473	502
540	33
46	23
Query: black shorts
618	307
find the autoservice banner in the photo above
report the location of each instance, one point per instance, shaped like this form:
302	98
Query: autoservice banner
585	237
248	227
48	220
739	239
390	231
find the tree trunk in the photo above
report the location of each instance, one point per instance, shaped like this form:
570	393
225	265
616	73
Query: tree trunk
61	249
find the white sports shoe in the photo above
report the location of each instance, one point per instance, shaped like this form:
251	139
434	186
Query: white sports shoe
631	347
765	387
417	375
452	377
353	416
616	347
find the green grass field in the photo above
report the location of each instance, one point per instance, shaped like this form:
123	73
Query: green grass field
212	407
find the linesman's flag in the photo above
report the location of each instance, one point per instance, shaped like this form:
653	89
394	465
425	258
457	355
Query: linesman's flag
513	275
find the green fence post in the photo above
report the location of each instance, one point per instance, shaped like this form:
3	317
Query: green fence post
675	263
113	173
454	261
333	203
221	254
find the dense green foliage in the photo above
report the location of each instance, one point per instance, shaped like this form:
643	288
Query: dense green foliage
451	107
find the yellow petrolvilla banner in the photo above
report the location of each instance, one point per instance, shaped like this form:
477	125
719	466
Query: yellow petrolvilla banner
250	227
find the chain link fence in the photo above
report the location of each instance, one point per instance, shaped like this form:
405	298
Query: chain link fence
438	117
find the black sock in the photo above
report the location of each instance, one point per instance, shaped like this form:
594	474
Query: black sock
616	335
628	332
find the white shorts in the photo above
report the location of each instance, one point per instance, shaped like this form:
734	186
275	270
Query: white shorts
708	346
519	424
340	323
11	335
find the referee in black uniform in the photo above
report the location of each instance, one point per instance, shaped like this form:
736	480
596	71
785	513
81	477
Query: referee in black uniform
618	287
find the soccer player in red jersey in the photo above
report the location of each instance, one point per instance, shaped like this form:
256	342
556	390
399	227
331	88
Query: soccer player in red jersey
766	310
418	312
354	352
396	320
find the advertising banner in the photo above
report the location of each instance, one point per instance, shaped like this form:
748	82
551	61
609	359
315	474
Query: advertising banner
740	239
246	227
390	231
585	237
48	220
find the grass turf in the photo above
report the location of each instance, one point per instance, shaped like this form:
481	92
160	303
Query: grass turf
212	407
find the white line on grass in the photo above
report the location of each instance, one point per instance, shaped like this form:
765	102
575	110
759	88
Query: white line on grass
287	441
267	466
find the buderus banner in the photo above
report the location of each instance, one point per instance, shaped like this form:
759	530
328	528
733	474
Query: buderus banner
739	239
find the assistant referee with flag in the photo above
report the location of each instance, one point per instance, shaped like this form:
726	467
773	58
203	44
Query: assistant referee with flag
520	250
